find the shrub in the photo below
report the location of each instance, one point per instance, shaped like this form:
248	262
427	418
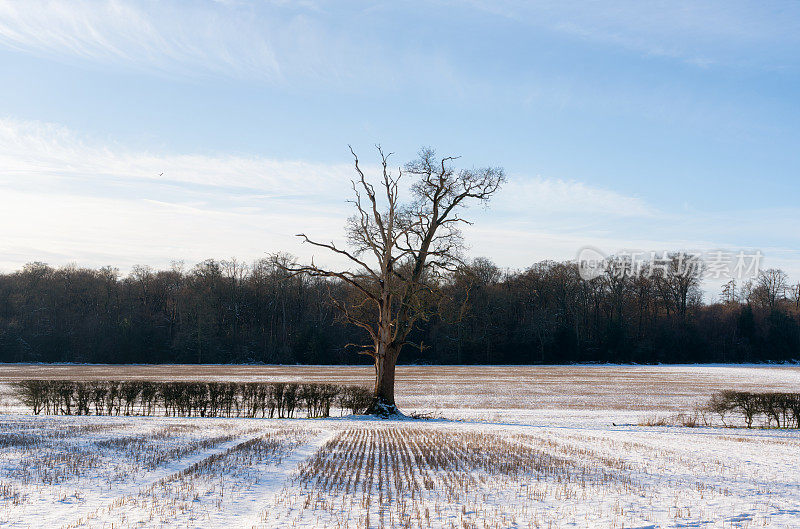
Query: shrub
781	408
204	399
355	399
32	393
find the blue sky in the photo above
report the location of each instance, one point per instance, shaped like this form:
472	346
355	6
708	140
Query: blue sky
646	125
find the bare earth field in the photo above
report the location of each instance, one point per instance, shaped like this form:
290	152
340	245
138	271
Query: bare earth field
544	446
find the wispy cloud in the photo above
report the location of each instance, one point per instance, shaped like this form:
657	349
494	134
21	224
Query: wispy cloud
763	35
69	198
64	198
536	196
272	42
141	35
275	41
53	153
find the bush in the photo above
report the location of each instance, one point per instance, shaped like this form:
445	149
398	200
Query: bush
32	393
781	408
202	399
355	399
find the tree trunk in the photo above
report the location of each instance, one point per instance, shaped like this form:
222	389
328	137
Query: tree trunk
385	362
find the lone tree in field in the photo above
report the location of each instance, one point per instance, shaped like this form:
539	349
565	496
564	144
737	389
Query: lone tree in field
400	251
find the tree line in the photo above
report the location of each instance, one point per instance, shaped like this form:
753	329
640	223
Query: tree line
230	312
189	399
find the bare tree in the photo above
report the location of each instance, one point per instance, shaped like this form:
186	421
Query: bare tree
678	280
728	294
773	282
399	252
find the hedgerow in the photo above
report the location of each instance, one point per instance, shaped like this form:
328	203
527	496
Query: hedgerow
781	410
190	399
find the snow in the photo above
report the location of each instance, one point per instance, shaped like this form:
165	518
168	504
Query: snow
574	456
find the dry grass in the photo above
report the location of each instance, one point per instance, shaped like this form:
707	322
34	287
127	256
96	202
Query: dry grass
166	472
198	492
381	475
428	477
442	476
36	454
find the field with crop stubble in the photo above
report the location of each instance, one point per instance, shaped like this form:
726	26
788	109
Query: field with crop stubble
543	446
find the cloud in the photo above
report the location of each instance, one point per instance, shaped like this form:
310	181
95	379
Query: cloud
278	43
69	198
548	196
141	35
276	40
703	34
315	42
66	198
55	154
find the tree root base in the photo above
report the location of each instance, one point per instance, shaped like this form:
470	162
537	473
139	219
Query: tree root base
384	410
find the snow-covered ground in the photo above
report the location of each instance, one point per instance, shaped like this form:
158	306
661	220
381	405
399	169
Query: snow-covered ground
511	449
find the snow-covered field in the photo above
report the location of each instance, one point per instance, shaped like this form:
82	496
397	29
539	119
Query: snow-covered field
512	447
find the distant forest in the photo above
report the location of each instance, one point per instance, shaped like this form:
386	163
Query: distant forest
229	312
